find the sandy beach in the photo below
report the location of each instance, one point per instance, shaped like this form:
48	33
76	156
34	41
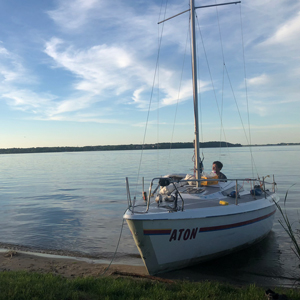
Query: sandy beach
11	260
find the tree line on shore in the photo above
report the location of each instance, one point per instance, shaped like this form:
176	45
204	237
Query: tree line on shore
116	147
214	144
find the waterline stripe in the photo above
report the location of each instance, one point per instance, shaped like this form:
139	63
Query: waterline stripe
229	226
157	231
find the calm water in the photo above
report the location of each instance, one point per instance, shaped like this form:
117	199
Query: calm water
74	202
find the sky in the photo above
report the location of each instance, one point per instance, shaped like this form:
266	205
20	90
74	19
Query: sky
84	72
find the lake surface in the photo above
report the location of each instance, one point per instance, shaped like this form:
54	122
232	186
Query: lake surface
73	203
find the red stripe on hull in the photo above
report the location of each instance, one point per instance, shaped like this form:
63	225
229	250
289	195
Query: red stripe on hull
229	226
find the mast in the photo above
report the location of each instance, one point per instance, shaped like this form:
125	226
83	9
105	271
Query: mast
195	90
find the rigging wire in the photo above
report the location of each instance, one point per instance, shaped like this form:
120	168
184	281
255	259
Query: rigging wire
225	71
222	103
158	95
246	90
228	77
210	74
234	97
223	88
178	97
223	82
151	96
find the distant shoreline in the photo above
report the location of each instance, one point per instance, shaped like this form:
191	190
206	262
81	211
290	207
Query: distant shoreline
213	144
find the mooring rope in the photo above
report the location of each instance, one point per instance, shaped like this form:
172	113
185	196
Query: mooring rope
106	269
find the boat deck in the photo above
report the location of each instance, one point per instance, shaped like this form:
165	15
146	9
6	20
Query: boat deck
202	197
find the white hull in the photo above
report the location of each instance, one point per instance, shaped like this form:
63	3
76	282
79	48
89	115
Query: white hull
176	240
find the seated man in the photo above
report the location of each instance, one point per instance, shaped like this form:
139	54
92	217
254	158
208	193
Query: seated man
217	167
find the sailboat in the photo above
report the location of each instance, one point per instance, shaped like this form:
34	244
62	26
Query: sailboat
190	219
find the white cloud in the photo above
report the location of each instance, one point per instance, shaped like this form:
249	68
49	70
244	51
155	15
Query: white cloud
275	126
12	70
102	71
278	41
26	100
14	79
136	97
259	80
265	127
152	123
120	63
288	32
72	14
83	119
3	52
70	105
97	68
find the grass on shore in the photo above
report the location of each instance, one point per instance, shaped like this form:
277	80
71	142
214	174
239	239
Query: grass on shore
294	234
25	285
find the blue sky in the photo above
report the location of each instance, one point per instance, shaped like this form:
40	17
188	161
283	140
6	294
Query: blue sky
76	73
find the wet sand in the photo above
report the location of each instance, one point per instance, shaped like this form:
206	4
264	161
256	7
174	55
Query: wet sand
70	267
258	265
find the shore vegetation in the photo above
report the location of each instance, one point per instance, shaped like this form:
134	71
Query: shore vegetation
26	285
288	227
116	147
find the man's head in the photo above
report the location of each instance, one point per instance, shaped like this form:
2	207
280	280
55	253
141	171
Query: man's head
217	167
